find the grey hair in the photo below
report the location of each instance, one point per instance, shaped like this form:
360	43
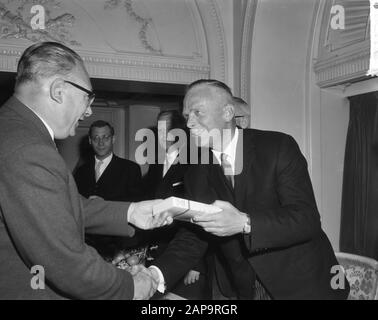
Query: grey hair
44	60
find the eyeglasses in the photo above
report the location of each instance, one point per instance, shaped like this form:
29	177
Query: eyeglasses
97	139
91	95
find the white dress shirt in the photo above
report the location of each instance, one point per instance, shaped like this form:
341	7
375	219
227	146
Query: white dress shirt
105	163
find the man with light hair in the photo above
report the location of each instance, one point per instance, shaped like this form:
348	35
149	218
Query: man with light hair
268	206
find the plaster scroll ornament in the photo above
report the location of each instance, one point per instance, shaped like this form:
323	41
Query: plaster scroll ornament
16	22
146	23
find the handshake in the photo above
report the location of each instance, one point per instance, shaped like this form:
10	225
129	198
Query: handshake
145	281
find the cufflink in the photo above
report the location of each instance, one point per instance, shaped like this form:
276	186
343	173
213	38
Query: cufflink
247	226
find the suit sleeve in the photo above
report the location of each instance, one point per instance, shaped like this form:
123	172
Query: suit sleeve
43	215
106	217
296	219
182	255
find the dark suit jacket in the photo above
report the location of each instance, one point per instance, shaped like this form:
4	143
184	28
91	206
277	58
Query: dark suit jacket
287	248
172	184
158	187
43	218
120	181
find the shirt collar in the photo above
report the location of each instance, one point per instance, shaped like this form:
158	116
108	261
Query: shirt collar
105	161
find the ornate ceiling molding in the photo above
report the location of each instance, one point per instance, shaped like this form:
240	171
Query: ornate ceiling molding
144	22
16	24
215	38
126	68
151	65
343	54
341	69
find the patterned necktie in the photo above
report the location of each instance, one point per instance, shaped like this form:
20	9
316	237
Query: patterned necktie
227	169
97	169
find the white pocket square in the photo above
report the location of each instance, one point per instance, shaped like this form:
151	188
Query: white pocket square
177	184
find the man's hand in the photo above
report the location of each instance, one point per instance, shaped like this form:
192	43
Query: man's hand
191	277
227	222
140	215
144	283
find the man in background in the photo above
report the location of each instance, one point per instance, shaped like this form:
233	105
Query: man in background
111	178
242	113
42	216
106	175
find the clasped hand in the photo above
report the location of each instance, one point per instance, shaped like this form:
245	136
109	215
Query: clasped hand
141	215
224	223
145	284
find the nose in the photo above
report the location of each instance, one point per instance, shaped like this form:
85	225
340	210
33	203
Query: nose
190	122
88	112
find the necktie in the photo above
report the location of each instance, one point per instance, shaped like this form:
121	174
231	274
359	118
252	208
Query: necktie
97	169
227	169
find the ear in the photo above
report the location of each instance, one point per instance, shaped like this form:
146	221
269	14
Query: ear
89	140
57	90
113	139
228	112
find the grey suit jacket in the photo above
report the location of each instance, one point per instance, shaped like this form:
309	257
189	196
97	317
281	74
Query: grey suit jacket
43	219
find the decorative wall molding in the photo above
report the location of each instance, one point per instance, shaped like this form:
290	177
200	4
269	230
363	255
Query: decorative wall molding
341	69
246	50
215	38
126	68
343	54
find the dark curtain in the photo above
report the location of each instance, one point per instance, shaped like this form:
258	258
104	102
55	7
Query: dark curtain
359	209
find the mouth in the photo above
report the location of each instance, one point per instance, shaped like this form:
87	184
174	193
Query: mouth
197	133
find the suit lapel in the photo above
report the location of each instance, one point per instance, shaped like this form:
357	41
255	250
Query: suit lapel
246	151
91	170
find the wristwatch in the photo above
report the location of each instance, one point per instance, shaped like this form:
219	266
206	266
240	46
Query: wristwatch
247	226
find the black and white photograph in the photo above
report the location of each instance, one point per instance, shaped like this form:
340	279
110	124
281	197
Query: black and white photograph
201	151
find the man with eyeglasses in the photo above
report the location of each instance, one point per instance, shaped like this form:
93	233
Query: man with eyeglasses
105	174
110	177
42	216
